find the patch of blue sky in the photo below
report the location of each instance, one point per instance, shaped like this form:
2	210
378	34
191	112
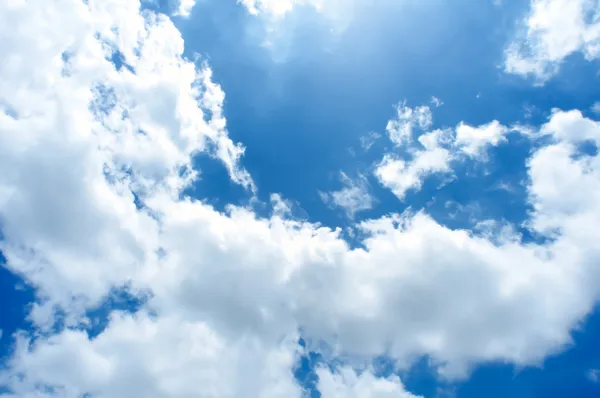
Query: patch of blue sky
299	117
16	297
122	299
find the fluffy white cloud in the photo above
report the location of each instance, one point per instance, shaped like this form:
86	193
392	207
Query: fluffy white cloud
400	129
78	136
94	161
553	30
433	152
553	170
475	140
185	7
346	383
353	198
427	156
154	357
401	176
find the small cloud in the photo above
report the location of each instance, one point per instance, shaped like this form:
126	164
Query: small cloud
529	111
436	101
367	141
401	176
593	375
596	107
475	140
400	129
281	207
184	8
502	186
353	198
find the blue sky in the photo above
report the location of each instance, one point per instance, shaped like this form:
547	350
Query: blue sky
299	198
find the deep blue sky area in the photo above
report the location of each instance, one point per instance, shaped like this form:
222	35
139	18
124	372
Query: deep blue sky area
300	108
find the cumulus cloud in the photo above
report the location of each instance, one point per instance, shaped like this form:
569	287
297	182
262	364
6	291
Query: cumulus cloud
401	176
185	7
346	383
432	152
83	134
164	357
353	198
427	157
475	140
552	31
400	130
95	158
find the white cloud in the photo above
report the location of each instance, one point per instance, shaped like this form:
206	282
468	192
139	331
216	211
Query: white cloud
278	8
82	135
553	30
475	140
401	176
346	383
556	172
436	102
154	357
230	290
400	130
353	198
185	7
435	151
571	127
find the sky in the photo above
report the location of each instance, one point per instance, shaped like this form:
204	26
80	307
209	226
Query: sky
299	198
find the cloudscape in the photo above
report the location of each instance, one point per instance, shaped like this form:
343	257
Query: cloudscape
299	198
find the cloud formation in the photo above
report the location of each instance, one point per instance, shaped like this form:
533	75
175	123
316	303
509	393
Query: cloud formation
422	153
346	383
552	31
352	198
101	118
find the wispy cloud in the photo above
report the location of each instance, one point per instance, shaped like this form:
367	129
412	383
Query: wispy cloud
354	197
551	32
